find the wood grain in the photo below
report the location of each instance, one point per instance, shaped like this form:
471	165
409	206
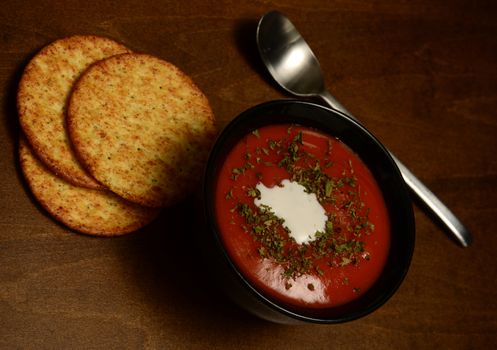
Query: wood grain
422	75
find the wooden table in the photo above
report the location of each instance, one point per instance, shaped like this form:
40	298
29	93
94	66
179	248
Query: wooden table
422	75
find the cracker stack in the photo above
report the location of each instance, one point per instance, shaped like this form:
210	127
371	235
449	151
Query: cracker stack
111	136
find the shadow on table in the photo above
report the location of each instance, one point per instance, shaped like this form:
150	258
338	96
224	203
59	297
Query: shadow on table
245	40
168	267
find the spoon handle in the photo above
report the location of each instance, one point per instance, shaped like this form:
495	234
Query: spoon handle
455	226
440	210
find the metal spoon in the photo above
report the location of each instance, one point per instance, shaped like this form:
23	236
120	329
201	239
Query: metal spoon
296	69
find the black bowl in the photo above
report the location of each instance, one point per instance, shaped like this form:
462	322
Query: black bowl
383	168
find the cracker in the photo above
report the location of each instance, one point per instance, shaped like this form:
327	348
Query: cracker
42	100
94	212
141	127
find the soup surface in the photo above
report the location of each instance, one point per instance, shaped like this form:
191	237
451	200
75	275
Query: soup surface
301	216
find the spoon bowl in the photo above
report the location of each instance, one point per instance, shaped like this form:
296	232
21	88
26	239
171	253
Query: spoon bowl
288	57
291	61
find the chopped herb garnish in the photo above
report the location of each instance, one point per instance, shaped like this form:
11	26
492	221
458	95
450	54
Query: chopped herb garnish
254	193
345	261
339	245
272	145
237	171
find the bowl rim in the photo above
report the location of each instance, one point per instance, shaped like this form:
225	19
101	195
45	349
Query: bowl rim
285	107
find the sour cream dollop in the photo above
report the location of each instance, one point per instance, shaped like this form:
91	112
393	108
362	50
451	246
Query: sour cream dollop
301	212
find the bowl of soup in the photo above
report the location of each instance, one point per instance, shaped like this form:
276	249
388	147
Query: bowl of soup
307	216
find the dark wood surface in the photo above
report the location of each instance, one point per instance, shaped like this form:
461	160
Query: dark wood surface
422	75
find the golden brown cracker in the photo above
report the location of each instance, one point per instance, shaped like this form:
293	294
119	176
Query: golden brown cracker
94	212
141	127
42	100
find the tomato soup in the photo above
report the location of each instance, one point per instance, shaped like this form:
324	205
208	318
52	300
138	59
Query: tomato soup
302	217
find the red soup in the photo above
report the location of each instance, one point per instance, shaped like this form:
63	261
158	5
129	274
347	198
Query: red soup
302	217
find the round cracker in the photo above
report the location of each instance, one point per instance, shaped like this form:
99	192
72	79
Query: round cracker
141	127
42	99
94	212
